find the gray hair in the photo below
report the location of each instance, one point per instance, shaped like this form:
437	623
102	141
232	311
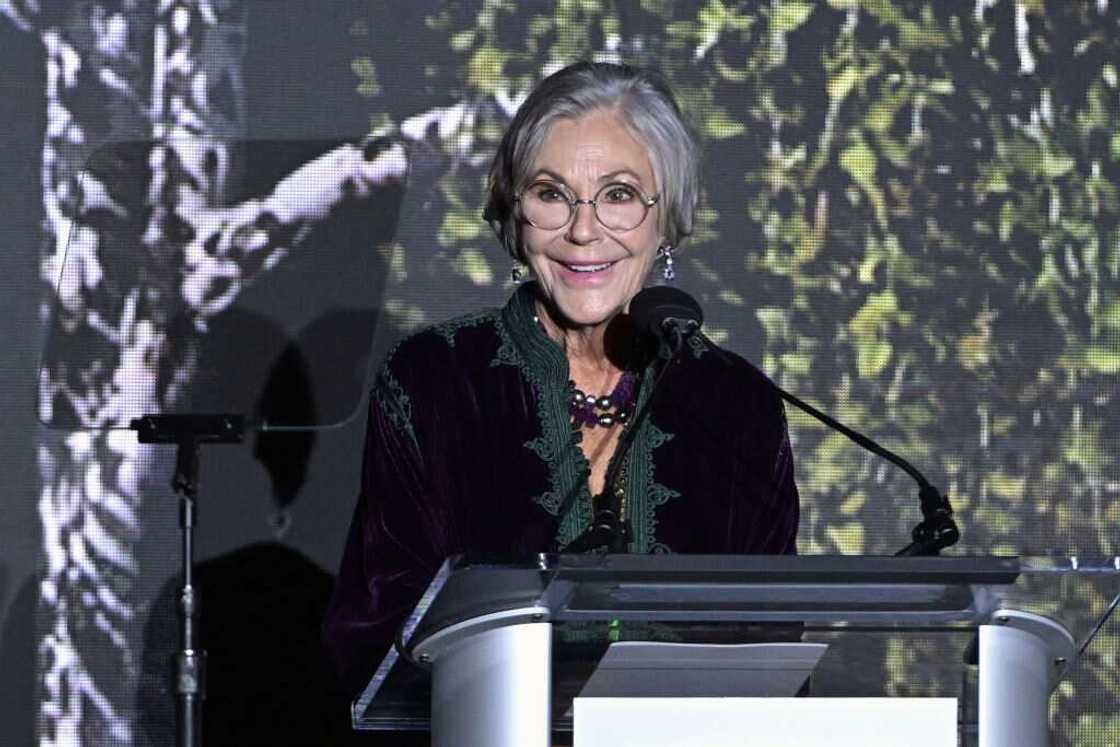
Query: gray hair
647	106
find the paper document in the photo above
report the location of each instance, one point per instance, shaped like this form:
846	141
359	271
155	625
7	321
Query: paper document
637	669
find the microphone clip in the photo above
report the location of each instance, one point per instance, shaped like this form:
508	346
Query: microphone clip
937	529
674	332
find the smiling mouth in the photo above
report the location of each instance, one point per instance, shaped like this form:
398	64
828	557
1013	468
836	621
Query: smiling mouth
588	268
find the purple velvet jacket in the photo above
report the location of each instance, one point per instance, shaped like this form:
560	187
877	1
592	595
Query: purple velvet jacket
470	448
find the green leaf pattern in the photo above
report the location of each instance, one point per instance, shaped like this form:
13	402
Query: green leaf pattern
910	218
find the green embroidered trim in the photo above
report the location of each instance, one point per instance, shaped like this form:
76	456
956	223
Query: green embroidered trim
545	366
507	354
390	395
447	330
643	493
392	400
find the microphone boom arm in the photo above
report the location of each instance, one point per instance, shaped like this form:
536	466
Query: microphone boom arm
937	529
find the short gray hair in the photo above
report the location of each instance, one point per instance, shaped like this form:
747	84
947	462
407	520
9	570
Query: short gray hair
648	108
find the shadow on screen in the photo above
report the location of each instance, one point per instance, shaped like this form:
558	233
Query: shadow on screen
18	644
247	366
267	682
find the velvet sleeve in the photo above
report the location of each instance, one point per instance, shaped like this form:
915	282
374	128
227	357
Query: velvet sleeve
782	537
768	475
393	548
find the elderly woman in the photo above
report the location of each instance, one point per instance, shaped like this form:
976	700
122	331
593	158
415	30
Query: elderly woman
491	433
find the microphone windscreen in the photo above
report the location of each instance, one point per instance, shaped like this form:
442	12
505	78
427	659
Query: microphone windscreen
652	306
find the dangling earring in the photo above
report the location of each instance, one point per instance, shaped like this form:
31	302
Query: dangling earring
666	253
515	272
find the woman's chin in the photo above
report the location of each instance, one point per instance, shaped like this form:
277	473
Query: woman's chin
586	307
587	317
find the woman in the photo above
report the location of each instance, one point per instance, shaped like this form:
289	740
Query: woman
492	432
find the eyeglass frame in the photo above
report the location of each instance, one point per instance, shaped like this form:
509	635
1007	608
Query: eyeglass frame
575	202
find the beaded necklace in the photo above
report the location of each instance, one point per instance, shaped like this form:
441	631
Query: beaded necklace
591	410
605	410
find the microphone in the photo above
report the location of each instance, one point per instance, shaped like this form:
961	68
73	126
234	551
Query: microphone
668	314
671	315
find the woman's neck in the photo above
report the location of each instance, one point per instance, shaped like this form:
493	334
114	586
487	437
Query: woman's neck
590	364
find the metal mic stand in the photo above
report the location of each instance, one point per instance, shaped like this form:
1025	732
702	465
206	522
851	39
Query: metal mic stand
937	529
188	433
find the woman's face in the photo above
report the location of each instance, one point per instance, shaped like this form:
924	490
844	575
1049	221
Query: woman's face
587	271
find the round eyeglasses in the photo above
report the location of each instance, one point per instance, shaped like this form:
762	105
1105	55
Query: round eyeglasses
617	206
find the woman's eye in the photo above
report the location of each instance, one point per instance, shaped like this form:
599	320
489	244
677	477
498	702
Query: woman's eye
619	193
545	193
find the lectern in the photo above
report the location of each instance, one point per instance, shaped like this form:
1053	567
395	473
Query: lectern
495	652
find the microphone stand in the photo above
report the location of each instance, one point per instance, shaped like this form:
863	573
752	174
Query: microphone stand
937	530
188	433
665	310
934	533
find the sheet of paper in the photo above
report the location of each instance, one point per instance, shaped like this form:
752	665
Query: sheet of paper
633	669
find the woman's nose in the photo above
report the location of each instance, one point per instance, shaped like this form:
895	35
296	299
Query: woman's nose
585	226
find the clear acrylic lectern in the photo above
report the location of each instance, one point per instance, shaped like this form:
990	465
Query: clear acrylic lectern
495	651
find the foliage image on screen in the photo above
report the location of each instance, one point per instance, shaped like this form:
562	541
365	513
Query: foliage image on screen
909	219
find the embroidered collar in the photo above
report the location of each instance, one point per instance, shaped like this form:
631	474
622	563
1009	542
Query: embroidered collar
544	364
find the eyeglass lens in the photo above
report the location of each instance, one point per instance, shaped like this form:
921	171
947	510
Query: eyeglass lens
618	206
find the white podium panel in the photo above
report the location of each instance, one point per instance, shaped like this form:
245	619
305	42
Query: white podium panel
766	722
492	690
